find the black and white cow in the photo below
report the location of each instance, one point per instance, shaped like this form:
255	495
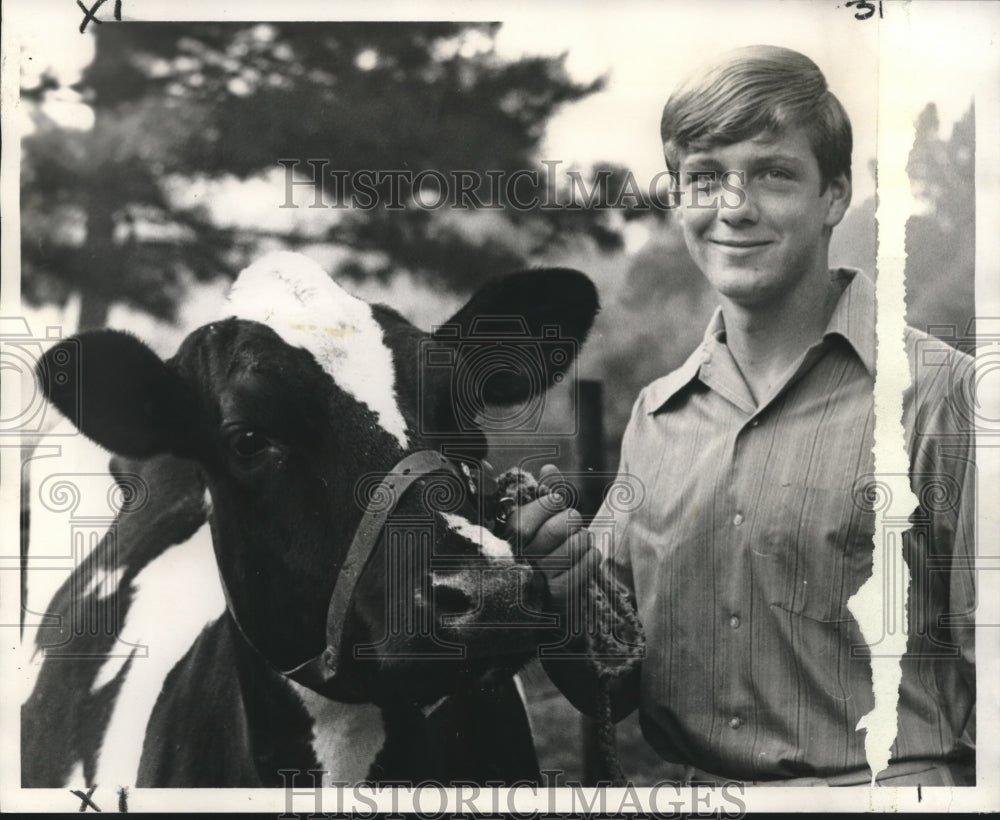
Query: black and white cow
164	657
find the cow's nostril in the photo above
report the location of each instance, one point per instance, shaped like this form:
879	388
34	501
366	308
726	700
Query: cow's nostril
452	601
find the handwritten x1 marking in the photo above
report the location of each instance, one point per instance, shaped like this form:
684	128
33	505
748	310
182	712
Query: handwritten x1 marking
92	13
86	798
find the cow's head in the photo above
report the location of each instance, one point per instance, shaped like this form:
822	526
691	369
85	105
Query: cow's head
294	405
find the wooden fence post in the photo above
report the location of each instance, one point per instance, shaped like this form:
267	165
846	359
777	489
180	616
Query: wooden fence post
591	461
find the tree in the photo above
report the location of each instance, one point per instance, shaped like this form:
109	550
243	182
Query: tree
941	240
96	215
940	236
176	102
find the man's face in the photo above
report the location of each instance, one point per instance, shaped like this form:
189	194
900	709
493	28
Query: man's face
759	240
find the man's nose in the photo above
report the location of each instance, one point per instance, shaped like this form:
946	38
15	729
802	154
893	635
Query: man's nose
736	203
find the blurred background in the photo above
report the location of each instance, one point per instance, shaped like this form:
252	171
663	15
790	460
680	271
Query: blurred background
150	176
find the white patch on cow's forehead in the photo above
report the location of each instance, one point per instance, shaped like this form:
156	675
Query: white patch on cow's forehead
296	298
177	595
346	737
489	545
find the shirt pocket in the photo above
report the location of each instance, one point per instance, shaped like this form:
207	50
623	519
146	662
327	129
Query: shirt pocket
812	551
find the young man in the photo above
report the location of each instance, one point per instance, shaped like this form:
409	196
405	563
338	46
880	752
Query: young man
753	469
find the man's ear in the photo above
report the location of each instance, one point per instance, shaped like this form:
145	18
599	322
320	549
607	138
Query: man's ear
119	393
838	192
519	333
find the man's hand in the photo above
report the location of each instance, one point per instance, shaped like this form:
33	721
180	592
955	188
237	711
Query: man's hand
554	541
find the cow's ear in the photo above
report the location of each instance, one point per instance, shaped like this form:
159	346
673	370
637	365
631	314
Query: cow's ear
535	320
119	393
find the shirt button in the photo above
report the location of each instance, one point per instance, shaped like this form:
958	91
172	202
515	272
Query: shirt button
737	519
734	622
754	422
735	723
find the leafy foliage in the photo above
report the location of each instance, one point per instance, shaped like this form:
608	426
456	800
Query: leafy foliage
174	103
941	239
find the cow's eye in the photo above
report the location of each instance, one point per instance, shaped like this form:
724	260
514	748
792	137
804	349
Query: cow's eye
247	443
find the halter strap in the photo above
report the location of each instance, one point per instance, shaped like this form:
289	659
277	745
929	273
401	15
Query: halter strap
320	672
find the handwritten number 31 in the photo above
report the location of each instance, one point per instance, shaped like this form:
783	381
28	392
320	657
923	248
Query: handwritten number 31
865	8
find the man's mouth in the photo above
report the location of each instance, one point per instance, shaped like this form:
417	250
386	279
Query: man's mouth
740	243
739	248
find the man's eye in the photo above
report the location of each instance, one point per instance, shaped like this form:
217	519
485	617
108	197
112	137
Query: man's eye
248	443
777	175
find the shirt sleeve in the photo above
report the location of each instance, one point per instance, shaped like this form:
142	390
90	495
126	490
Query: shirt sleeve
957	457
945	477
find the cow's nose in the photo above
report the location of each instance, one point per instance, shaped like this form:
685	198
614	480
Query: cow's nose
451	598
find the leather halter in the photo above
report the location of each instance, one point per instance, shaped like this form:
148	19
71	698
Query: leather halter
319	673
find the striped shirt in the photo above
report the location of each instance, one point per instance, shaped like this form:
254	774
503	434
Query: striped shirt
749	527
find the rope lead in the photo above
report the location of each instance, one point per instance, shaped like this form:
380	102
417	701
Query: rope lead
611	628
615	647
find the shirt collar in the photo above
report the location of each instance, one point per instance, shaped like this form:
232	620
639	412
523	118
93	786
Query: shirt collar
853	320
